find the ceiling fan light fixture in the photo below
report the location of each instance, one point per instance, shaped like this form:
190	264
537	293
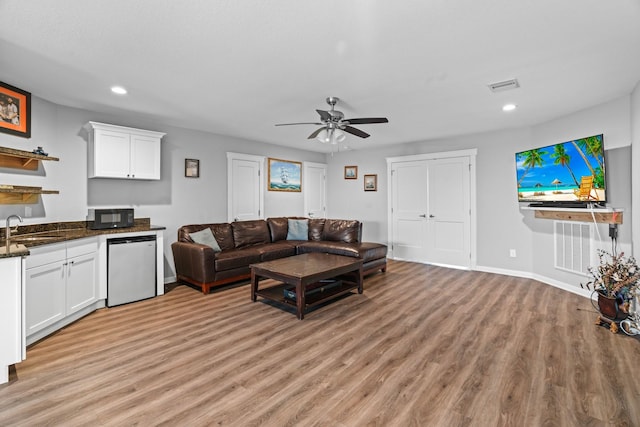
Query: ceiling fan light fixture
323	136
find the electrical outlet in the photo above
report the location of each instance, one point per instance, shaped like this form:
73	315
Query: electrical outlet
27	212
512	253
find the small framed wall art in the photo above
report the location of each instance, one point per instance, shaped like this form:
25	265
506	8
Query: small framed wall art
350	172
15	111
371	183
192	168
284	175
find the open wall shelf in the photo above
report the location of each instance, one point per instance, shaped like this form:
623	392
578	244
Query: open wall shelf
606	215
21	195
19	159
24	160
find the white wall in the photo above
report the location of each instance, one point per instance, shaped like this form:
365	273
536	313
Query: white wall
176	200
635	173
501	224
171	202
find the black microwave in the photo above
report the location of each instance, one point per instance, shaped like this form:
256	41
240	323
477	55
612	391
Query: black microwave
100	219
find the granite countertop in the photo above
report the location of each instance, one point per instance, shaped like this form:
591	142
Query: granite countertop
29	236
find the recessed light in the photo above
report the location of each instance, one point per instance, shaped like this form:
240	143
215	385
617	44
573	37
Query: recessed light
119	90
509	107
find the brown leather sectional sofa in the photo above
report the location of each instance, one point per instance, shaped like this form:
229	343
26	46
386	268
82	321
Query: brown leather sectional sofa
248	242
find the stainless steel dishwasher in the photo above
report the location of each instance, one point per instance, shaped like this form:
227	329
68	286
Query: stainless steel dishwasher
131	269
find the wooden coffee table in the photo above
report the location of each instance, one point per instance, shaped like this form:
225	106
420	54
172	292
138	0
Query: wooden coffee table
303	270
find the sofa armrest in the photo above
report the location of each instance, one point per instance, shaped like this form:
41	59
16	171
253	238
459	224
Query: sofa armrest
194	261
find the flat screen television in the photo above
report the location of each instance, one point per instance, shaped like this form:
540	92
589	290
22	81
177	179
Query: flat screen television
568	174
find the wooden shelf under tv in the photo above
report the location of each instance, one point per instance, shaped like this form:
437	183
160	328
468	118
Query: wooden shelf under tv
601	215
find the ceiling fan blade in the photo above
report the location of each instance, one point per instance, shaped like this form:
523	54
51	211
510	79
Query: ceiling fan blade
315	133
364	121
356	132
305	123
324	115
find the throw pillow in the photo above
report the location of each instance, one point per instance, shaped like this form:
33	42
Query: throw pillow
298	229
205	237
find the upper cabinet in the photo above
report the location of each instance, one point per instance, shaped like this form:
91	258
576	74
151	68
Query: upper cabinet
122	152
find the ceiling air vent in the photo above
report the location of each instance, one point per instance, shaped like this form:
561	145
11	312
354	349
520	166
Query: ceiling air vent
505	85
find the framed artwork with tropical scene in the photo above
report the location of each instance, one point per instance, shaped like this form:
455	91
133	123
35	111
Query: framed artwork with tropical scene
284	175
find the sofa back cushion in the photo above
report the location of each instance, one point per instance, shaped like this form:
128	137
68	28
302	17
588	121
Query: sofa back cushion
316	225
252	232
341	230
221	232
278	228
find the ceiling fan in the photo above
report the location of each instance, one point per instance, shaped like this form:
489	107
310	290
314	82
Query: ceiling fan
334	124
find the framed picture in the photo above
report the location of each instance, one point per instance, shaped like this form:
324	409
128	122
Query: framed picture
192	168
15	111
371	183
284	175
350	172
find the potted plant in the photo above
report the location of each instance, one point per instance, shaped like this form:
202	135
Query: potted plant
616	280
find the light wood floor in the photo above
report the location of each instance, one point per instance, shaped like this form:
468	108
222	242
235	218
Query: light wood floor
423	346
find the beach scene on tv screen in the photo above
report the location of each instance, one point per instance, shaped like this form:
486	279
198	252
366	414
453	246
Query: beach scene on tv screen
568	171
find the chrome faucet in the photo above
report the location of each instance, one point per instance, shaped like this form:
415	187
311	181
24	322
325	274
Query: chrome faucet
7	233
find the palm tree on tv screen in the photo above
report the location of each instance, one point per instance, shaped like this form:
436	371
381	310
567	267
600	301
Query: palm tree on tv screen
592	147
532	158
561	157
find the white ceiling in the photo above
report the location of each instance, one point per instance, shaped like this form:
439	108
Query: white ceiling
237	67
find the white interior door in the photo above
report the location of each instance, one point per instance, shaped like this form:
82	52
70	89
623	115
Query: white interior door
245	190
315	191
449	215
430	203
409	210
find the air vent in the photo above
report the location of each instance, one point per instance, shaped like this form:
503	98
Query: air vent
505	85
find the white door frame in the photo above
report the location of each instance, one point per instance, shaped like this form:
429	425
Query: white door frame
308	194
248	157
471	153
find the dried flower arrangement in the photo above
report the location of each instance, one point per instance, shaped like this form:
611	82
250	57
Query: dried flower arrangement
617	276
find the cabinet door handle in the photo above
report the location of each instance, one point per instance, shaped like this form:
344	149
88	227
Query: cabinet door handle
423	216
432	216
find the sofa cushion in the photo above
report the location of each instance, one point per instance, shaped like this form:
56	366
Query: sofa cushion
205	237
298	229
247	233
236	258
278	228
316	225
366	251
341	230
277	250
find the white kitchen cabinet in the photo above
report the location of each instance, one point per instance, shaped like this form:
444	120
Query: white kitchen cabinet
61	279
122	152
12	343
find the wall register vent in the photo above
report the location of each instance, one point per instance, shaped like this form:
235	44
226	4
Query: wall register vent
573	243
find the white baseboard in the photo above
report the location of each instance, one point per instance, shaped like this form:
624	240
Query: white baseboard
546	280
